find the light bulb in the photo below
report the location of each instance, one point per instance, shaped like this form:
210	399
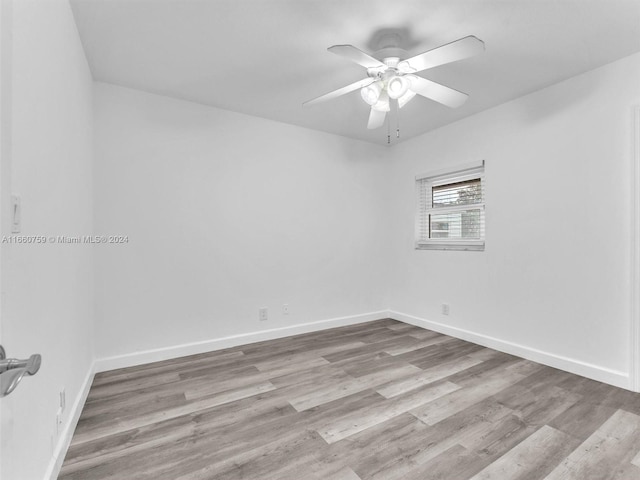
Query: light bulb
397	87
371	93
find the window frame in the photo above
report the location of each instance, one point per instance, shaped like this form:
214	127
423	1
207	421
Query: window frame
449	176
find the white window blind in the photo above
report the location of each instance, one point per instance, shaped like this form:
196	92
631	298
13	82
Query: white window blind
451	209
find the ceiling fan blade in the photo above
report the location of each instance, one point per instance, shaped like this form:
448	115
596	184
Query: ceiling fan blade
439	93
376	118
341	91
464	48
356	55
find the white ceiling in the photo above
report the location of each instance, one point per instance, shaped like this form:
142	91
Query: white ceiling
266	57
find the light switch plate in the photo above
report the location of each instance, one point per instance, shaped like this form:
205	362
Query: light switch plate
16	214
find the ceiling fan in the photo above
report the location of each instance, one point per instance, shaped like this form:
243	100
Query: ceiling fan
392	78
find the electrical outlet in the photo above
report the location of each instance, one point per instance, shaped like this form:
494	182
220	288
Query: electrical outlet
445	309
285	309
263	314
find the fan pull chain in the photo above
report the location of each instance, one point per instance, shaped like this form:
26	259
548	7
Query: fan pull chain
388	129
397	119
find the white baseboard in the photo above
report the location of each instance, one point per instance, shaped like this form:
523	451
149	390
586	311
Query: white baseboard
67	433
595	372
601	374
166	353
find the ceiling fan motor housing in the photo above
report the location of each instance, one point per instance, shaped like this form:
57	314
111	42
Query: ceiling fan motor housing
390	52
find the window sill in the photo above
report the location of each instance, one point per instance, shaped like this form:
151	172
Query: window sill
460	246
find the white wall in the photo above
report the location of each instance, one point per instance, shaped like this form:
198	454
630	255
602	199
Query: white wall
226	213
554	278
47	290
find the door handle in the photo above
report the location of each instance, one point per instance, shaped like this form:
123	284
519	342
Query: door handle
13	370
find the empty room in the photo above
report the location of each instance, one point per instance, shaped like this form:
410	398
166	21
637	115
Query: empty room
320	240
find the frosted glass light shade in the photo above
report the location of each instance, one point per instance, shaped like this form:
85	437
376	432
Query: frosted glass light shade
371	93
382	105
397	87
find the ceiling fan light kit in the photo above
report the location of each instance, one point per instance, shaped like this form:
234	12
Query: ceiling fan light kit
393	79
371	93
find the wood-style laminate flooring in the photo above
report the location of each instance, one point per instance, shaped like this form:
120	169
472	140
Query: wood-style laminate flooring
381	400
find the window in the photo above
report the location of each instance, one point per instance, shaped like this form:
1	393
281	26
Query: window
451	209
